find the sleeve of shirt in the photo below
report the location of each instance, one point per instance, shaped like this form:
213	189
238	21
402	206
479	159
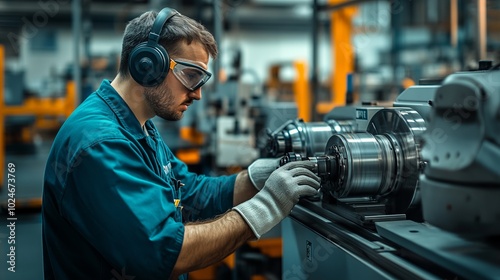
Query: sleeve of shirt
203	197
123	209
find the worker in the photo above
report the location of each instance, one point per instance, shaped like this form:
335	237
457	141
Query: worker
117	204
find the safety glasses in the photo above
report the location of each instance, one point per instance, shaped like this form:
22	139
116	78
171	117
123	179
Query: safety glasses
190	75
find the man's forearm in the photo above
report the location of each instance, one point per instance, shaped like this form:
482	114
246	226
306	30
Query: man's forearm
243	188
210	242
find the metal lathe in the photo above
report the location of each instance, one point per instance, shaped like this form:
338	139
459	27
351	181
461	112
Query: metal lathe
410	191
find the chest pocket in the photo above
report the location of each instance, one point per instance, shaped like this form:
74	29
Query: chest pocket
164	166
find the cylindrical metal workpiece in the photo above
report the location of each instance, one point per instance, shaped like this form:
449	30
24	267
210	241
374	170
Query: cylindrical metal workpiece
366	164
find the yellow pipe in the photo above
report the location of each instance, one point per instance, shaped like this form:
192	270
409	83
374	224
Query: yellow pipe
70	98
343	55
454	22
39	106
301	91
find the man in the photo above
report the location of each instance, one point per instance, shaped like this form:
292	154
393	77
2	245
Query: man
114	193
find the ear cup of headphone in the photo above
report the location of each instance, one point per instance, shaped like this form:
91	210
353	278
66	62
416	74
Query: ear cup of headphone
148	65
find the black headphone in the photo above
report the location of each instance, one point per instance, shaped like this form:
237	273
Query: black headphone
149	62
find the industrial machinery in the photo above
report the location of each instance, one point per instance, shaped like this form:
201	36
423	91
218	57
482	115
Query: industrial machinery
305	138
413	196
19	115
461	184
309	138
371	176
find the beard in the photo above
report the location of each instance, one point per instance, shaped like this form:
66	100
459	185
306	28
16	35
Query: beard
162	103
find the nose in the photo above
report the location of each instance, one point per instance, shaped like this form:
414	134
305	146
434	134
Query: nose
195	94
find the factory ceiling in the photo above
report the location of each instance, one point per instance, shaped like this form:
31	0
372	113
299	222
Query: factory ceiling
262	15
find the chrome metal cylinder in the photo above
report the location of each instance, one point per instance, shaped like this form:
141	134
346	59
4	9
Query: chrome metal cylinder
307	139
367	164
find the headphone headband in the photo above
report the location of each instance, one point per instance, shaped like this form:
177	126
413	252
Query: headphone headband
161	19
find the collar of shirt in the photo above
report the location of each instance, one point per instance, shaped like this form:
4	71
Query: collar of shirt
123	112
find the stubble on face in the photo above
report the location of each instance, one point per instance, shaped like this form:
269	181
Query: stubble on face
161	100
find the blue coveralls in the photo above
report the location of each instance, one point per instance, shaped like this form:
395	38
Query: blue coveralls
109	196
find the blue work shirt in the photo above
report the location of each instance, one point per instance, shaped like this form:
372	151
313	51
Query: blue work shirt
110	194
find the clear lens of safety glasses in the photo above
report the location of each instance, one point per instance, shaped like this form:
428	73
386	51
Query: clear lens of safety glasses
190	75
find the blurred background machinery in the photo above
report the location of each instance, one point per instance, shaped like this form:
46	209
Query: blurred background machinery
357	86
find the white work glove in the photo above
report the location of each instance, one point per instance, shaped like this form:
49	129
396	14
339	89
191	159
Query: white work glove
279	195
261	169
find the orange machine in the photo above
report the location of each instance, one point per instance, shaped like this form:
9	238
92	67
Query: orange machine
194	137
41	108
298	89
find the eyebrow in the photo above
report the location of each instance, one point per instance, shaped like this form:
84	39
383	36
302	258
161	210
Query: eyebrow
201	64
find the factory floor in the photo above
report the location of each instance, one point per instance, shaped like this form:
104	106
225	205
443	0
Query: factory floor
29	169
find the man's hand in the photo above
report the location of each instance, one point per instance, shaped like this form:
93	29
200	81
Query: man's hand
279	195
261	169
